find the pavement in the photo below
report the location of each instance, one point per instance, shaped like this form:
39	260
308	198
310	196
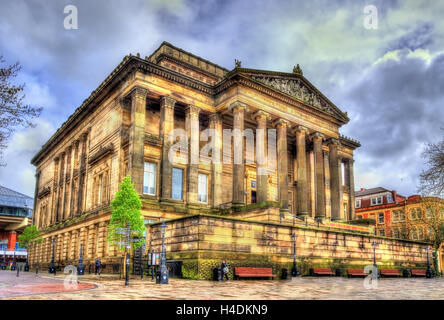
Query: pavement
110	287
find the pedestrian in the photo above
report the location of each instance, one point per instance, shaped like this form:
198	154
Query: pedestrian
98	265
224	270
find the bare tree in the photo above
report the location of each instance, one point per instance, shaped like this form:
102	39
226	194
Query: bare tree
13	112
433	219
432	179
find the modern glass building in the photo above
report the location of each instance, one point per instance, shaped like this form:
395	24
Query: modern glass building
15	216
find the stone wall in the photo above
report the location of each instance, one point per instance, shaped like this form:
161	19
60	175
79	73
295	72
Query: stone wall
201	241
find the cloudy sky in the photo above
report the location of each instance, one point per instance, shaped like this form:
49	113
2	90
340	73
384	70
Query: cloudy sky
390	80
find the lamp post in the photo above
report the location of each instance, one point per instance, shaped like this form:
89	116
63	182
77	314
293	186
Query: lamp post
164	274
51	268
80	266
429	270
4	260
294	270
27	262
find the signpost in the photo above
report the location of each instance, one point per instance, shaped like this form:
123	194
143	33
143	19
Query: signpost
126	242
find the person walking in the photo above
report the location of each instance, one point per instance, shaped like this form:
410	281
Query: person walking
224	271
98	266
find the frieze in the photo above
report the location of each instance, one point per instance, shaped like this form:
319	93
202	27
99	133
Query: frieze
296	88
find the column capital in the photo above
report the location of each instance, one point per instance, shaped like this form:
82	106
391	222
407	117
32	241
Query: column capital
191	109
215	117
139	91
68	149
237	106
333	142
56	158
300	129
317	136
84	135
260	115
75	143
281	123
167	102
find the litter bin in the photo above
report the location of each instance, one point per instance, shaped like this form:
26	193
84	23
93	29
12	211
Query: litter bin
216	274
158	275
406	273
284	274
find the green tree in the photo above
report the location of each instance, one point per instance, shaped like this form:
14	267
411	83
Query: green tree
126	208
30	234
13	112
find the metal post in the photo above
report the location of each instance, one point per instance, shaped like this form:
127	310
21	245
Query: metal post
164	274
80	266
18	271
429	270
294	270
37	270
127	262
51	268
152	264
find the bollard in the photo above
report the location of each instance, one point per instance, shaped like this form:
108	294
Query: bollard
18	271
37	271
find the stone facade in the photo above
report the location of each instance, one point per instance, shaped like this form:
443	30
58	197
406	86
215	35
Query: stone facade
202	241
125	127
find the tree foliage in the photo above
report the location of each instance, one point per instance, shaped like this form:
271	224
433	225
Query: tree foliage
13	112
29	234
434	221
432	179
126	213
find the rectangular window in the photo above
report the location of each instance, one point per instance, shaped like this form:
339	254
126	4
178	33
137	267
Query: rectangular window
358	204
149	178
376	201
203	188
177	184
382	232
380	218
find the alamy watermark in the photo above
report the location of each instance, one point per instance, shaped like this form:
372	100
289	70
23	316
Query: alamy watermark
371	17
71	21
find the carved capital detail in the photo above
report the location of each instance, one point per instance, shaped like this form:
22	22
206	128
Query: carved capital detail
139	91
215	117
280	123
333	142
261	115
300	129
237	106
192	110
317	136
167	102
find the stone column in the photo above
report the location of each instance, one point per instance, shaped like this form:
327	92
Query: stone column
166	126
82	173
282	126
72	208
137	137
82	241
68	182
335	179
216	183
319	175
192	128
238	110
60	184
351	186
36	191
301	178
261	118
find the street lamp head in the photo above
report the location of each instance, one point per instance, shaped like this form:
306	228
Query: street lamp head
163	226
374	243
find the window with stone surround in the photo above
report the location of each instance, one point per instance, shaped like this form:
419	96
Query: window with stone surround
203	188
149	178
101	188
177	184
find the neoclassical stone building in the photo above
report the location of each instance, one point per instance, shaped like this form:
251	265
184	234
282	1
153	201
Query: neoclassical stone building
123	128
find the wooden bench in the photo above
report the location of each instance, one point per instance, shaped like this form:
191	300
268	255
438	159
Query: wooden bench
356	273
418	272
252	272
390	272
322	271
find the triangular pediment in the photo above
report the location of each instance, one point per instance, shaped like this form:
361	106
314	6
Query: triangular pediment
299	88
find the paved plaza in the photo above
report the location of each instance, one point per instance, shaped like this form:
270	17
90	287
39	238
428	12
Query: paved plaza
92	287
